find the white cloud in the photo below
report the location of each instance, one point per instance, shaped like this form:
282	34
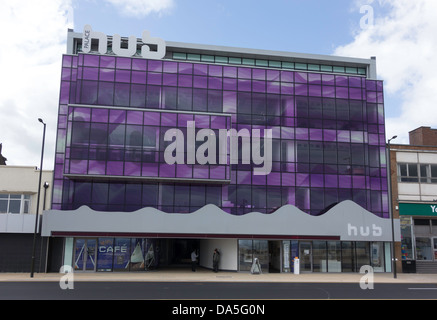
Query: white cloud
140	8
404	41
34	39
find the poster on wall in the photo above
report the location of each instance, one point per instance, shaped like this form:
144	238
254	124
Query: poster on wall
121	254
137	256
105	254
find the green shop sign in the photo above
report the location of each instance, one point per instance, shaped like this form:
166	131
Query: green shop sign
417	209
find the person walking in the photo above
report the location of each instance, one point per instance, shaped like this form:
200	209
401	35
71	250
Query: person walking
215	260
194	256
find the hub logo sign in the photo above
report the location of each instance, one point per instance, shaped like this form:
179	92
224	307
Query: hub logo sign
254	149
151	48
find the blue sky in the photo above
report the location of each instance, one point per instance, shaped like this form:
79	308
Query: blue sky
401	36
311	26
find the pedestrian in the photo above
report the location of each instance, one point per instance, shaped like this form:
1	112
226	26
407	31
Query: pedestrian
194	256
215	260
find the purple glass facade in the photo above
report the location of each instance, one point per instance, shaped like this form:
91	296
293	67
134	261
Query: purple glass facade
328	137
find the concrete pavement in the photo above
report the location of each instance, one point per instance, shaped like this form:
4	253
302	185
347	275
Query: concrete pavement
204	275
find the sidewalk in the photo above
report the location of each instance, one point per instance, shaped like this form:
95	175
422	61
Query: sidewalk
203	275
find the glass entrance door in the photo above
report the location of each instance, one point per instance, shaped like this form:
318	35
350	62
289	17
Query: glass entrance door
306	257
85	255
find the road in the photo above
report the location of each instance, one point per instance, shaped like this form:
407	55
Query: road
211	291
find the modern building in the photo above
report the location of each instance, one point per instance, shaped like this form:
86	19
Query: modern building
18	202
414	181
166	147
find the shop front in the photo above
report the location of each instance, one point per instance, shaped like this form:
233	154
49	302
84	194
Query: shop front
419	237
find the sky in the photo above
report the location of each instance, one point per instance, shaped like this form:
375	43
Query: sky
399	33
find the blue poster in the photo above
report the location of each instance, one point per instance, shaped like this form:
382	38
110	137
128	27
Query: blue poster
105	254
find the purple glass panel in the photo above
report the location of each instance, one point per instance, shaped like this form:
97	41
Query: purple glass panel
355	94
217	172
259	74
300	89
149	170
132	169
183	119
328	92
117	116
185	68
345	181
287	76
273	87
229	102
107	74
244	73
316	134
371	85
215	83
152	118
328	79
66	74
273	75
78	166
215	71
167	171
301	77
315	91
375	183
274	179
184	171
200	82
185	81
331	181
355	82
287	133
317	180
230	72
139	64
155	65
82	114
342	93
91	60
287	88
106	93
218	122
169	119
315	78
97	167
259	180
169	79
99	115
139	77
343	136
65	92
114	168
154	78
244	177
66	61
123	63
202	121
244	85
122	76
302	179
229	84
200	172
200	69
301	133
341	81
170	67
259	86
107	62
358	182
288	179
135	117
371	97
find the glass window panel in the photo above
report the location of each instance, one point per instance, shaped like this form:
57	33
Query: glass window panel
334	256
347	258
377	256
423	249
245	254
363	254
319	256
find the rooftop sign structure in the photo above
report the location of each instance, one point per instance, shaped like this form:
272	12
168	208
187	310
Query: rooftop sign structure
152	48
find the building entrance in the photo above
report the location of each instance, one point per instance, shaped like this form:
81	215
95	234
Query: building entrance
306	256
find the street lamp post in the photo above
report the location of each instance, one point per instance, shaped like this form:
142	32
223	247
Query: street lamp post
391	210
37	202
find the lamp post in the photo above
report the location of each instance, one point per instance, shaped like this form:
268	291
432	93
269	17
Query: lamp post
391	210
37	202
